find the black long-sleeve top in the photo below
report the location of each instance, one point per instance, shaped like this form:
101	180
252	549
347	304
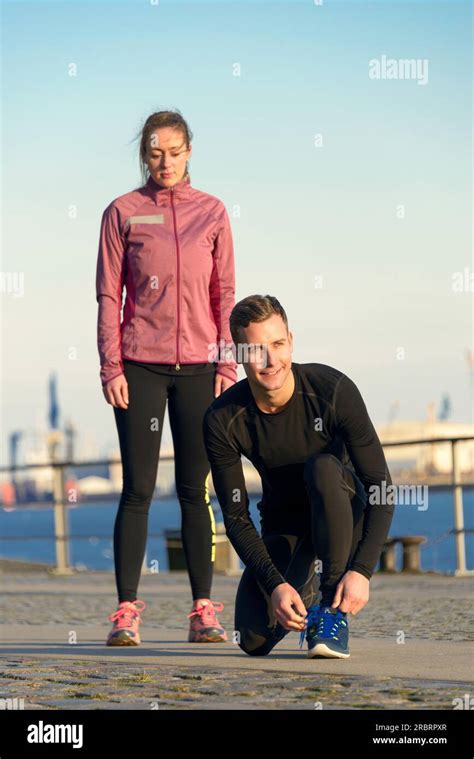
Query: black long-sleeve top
326	414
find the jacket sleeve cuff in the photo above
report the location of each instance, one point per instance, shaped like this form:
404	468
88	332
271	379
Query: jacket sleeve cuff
227	370
109	374
270	584
356	567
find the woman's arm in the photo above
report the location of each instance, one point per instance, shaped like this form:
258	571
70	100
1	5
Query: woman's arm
109	288
222	296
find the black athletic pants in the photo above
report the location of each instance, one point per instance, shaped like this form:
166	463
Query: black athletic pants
189	391
338	501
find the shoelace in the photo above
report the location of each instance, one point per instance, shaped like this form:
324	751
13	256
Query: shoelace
311	620
125	615
328	623
208	613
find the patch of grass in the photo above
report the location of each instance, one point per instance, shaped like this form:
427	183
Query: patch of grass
180	688
321	695
188	677
175	697
143	678
133	679
96	696
316	689
8	676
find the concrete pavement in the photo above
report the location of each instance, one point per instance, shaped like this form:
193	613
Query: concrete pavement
411	647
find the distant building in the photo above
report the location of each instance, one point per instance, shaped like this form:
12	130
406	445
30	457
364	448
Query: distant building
431	458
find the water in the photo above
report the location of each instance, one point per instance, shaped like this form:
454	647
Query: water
97	519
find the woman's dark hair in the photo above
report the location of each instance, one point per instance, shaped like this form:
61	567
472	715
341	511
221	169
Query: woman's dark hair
173	119
254	308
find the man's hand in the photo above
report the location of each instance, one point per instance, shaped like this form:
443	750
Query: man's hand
116	391
288	607
221	384
352	592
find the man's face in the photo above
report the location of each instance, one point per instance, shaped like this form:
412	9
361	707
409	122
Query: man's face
265	350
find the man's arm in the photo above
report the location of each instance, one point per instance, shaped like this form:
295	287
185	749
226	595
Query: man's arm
231	491
367	456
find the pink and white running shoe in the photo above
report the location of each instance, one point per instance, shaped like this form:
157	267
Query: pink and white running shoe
126	620
204	626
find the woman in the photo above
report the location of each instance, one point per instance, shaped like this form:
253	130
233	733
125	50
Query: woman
171	246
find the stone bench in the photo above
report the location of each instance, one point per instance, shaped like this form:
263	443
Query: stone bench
226	560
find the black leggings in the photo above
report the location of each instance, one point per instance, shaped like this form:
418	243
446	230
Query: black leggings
338	501
189	392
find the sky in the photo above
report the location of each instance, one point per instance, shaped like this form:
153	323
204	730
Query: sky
329	175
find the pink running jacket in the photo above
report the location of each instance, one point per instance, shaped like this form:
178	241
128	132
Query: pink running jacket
172	249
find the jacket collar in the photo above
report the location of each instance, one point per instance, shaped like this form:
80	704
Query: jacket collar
157	192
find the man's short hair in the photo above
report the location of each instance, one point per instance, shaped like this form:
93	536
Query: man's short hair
254	308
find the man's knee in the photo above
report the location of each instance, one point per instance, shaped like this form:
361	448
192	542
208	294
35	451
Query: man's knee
260	651
254	645
321	468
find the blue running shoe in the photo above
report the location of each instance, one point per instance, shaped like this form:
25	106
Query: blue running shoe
327	632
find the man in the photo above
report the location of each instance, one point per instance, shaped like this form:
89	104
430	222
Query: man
306	429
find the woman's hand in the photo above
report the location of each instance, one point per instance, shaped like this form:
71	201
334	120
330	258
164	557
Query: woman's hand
352	592
221	384
116	391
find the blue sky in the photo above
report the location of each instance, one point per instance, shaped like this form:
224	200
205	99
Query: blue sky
305	211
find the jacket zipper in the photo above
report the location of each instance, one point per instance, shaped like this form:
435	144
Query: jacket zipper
177	365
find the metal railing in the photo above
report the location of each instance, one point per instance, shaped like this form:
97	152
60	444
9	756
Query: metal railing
456	484
61	530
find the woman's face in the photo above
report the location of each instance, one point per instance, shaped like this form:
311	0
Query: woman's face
167	154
